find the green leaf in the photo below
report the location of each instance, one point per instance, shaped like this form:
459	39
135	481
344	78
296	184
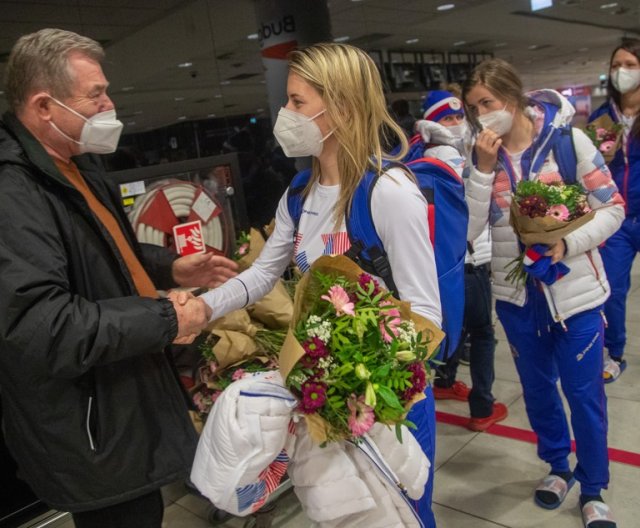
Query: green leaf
389	397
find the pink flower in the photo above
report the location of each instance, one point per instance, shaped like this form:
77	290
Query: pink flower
361	418
418	381
340	300
237	374
243	249
315	348
607	146
601	133
314	395
365	280
559	212
391	320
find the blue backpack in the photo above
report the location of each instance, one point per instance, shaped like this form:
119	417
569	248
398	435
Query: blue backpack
448	218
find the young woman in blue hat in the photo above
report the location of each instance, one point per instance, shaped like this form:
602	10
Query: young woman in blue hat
445	132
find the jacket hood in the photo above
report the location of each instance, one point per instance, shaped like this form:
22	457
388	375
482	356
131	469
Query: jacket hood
556	108
551	113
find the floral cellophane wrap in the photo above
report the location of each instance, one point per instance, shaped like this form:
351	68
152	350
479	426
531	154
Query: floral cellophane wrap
305	294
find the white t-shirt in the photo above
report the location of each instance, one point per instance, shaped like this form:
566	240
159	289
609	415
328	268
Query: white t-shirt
399	212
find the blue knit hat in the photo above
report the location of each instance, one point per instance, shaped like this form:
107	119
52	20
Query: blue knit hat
441	103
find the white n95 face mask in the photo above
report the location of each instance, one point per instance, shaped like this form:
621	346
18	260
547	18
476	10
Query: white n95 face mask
100	133
459	131
298	135
625	80
499	121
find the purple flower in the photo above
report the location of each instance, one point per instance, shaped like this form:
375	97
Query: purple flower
365	280
314	395
315	348
418	380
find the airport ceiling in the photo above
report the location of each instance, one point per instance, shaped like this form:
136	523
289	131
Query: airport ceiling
567	44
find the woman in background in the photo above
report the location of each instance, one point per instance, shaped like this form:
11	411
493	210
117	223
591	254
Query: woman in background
554	324
622	107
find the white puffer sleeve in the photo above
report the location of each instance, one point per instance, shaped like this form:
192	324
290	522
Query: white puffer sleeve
245	433
602	195
326	480
477	190
406	459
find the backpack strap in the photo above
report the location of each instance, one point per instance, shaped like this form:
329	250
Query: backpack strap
564	152
295	198
366	248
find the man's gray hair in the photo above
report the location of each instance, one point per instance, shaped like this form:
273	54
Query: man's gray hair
39	62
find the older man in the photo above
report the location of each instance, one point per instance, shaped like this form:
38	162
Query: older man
94	414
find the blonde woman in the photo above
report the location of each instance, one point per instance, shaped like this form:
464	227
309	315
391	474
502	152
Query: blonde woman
554	325
336	113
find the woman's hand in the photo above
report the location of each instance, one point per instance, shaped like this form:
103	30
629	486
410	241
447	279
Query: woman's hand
487	145
557	252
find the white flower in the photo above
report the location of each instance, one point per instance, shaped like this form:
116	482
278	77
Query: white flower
407	332
317	327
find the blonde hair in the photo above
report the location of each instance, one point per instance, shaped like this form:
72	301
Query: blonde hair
500	78
39	61
350	86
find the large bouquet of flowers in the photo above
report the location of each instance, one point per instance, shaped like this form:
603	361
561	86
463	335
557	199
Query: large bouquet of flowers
544	213
354	355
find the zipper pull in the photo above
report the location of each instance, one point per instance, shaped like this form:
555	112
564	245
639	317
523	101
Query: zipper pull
604	318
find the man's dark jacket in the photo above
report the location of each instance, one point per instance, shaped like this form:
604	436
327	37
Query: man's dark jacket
93	412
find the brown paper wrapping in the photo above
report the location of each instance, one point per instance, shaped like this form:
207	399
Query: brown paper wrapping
233	347
256	243
275	309
237	321
307	291
542	230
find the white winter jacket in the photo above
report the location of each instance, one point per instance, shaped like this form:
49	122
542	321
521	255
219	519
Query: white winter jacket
248	437
489	196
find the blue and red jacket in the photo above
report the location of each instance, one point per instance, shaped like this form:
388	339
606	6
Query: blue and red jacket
626	175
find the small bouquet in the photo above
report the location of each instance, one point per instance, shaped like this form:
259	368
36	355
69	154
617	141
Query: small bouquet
606	135
543	214
243	245
354	355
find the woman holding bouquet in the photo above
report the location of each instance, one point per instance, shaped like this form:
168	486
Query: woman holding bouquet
617	118
554	325
336	113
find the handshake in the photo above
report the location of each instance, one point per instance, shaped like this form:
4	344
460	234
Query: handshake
193	316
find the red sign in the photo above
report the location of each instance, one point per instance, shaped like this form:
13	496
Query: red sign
188	238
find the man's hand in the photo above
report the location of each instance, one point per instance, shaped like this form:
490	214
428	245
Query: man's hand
204	270
193	316
487	145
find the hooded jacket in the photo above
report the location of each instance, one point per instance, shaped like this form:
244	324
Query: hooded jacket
489	196
93	411
625	166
